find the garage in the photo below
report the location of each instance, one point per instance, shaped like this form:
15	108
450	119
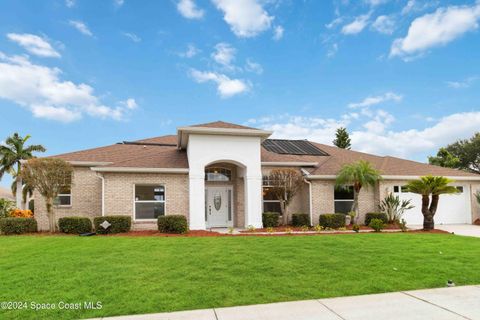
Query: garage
452	209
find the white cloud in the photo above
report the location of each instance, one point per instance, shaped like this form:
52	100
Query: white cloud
189	9
375	136
226	87
118	3
130	104
373	100
357	25
40	89
191	52
246	18
252	66
332	51
384	24
375	3
278	33
466	83
436	29
335	22
132	36
81	27
224	55
70	3
415	6
34	44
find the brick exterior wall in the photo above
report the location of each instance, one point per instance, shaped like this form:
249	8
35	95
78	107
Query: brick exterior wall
86	199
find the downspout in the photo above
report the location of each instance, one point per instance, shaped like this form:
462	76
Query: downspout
309	195
99	175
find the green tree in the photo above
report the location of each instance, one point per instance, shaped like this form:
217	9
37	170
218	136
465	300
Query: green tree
12	153
358	174
342	139
430	188
48	176
466	151
444	159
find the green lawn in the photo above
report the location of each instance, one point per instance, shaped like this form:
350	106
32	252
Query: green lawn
154	274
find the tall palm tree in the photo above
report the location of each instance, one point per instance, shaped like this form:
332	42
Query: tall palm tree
430	188
358	174
12	152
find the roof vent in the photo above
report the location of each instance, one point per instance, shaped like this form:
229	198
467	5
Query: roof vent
296	147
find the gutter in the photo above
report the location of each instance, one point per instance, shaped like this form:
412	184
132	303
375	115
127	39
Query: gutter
310	201
140	170
393	177
99	175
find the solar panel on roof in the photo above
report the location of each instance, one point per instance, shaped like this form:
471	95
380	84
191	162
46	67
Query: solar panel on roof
296	147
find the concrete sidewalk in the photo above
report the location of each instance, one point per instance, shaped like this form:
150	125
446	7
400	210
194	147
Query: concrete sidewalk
444	303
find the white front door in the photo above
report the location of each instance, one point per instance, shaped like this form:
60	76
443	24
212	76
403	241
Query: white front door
218	207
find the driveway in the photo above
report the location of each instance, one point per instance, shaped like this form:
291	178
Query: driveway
461	229
437	304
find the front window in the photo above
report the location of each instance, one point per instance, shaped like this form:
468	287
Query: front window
344	199
64	198
270	202
149	202
218	174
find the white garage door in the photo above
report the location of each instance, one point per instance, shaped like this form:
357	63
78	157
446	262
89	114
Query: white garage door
452	209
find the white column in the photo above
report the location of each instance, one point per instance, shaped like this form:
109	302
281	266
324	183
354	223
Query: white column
253	201
197	202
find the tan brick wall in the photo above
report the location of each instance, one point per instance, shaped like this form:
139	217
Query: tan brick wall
119	192
86	198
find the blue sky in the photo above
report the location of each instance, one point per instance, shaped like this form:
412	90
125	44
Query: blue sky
402	75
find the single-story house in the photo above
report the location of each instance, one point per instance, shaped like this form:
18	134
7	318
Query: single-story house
216	174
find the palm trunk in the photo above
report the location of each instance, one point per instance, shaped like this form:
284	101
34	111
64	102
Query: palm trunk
428	223
356	208
51	215
18	195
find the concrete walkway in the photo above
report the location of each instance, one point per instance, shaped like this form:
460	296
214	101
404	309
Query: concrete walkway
461	229
439	304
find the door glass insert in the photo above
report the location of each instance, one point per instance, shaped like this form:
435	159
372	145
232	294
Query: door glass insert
217	201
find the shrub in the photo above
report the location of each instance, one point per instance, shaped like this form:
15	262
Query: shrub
18	225
5	207
375	215
403	225
75	225
270	219
172	224
376	224
18	213
332	220
356	228
119	224
300	219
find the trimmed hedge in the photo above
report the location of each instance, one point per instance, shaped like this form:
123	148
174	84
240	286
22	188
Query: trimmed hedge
375	215
270	219
75	225
332	220
119	224
172	224
18	225
300	220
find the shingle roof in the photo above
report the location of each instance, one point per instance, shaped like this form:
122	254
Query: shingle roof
162	152
223	125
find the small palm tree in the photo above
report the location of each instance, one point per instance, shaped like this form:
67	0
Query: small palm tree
430	188
11	155
359	174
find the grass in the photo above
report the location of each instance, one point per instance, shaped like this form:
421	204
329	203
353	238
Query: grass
131	275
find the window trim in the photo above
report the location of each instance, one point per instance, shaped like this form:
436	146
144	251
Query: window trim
134	218
343	200
269	201
66	195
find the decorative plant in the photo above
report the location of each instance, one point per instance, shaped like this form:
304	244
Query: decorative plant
356	228
359	174
250	228
318	228
19	213
305	228
49	176
394	207
377	225
270	230
285	184
5	207
12	152
230	230
430	187
403	225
